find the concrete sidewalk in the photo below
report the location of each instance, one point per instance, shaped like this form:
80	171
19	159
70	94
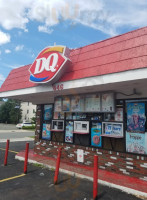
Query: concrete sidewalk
127	184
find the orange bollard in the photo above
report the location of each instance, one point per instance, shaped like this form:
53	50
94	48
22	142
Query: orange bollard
26	158
95	178
57	166
6	153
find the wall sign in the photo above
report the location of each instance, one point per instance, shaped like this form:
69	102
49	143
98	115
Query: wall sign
80	155
50	64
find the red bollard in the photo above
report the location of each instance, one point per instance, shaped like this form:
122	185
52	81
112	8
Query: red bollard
95	178
6	153
26	158
57	166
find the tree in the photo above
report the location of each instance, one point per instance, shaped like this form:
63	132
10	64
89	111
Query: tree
10	111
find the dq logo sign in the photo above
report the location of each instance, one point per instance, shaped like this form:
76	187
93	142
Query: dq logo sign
49	65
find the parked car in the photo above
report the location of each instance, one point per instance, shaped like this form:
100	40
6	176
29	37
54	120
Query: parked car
20	125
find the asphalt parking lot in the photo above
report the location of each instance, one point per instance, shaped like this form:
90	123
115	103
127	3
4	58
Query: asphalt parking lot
38	183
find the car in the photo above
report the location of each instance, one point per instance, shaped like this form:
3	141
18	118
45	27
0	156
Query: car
20	125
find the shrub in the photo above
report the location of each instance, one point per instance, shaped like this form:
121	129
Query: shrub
28	127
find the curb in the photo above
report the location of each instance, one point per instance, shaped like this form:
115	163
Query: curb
136	193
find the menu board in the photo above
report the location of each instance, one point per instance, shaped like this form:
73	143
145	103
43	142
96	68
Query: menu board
58	104
136	143
58	115
77	104
69	132
136	117
46	131
92	103
66	104
108	104
48	109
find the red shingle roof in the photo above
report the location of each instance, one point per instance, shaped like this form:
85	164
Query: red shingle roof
121	53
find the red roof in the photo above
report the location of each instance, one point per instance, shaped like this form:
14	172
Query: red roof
117	54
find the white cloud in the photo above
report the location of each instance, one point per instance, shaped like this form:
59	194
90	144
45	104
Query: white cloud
19	47
45	29
11	66
106	16
2	78
7	51
4	38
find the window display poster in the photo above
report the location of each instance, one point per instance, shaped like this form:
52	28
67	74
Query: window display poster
117	130
136	117
66	104
77	104
48	109
46	131
119	114
58	105
69	132
96	139
92	103
108	102
108	129
136	143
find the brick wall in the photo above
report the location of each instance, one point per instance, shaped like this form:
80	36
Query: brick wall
122	163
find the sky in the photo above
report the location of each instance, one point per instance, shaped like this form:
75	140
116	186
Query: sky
27	27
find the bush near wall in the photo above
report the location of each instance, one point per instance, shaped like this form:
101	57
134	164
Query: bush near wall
29	127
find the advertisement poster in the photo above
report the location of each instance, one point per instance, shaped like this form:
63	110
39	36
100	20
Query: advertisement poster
136	143
48	109
66	104
96	139
58	105
69	132
46	133
136	117
119	114
77	104
92	103
108	102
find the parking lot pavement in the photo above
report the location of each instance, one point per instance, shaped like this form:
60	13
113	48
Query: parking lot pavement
38	183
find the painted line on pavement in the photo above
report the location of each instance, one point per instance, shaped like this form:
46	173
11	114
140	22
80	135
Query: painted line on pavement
9	150
11	178
17	139
111	185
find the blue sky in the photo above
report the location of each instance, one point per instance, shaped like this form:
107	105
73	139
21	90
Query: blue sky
27	27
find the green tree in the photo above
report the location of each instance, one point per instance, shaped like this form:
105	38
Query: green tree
10	111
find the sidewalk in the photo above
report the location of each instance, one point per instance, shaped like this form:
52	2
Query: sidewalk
127	184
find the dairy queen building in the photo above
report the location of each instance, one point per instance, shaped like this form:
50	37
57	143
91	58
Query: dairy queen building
90	101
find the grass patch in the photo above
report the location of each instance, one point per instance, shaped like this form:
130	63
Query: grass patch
38	165
32	137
